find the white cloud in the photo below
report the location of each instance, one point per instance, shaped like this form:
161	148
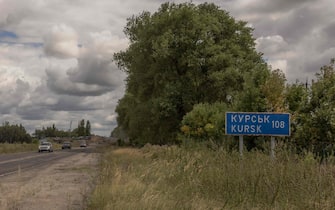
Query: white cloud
279	64
13	90
111	117
97	125
61	42
105	44
95	72
271	45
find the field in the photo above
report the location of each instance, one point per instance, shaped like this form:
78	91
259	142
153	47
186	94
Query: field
197	177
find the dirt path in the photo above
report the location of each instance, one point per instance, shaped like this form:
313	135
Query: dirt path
63	185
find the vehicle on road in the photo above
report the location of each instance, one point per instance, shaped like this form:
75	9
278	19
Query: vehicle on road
66	145
83	144
45	146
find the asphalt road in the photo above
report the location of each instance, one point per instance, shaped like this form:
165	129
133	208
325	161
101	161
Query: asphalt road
15	163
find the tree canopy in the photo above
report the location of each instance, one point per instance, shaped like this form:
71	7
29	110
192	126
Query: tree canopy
314	118
14	134
180	56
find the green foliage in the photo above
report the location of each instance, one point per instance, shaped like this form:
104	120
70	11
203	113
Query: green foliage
205	122
14	134
182	55
83	130
296	97
252	99
51	131
315	117
88	128
274	90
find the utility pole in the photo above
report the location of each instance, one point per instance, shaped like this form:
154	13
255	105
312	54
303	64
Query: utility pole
70	128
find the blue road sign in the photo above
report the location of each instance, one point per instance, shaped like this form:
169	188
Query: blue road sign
258	123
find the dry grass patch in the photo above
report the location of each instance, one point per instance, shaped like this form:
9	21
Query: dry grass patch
200	178
6	148
127	151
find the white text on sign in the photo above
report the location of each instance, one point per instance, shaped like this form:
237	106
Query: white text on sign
250	118
257	123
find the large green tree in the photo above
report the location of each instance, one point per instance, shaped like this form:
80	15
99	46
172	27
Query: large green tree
182	55
315	121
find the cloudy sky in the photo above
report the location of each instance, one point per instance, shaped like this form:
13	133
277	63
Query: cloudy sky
56	55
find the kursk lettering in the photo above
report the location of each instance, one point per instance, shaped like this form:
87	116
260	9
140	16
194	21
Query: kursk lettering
246	118
246	129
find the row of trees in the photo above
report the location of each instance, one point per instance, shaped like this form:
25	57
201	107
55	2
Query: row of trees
187	65
14	134
51	131
18	134
83	129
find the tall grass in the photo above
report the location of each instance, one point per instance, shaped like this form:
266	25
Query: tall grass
200	178
13	148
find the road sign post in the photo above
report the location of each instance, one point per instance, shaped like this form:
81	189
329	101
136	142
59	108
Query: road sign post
258	124
240	143
273	145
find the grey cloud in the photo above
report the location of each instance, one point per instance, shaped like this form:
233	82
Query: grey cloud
38	104
32	112
272	45
71	103
314	63
61	42
21	85
306	28
309	63
95	73
11	19
292	26
11	98
13	12
329	30
325	38
299	24
64	86
49	104
271	6
94	70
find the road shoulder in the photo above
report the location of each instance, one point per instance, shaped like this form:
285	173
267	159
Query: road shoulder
65	184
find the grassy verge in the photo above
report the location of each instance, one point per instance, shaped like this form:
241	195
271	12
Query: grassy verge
199	178
13	148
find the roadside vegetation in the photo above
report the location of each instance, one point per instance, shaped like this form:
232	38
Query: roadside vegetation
6	148
198	177
187	65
